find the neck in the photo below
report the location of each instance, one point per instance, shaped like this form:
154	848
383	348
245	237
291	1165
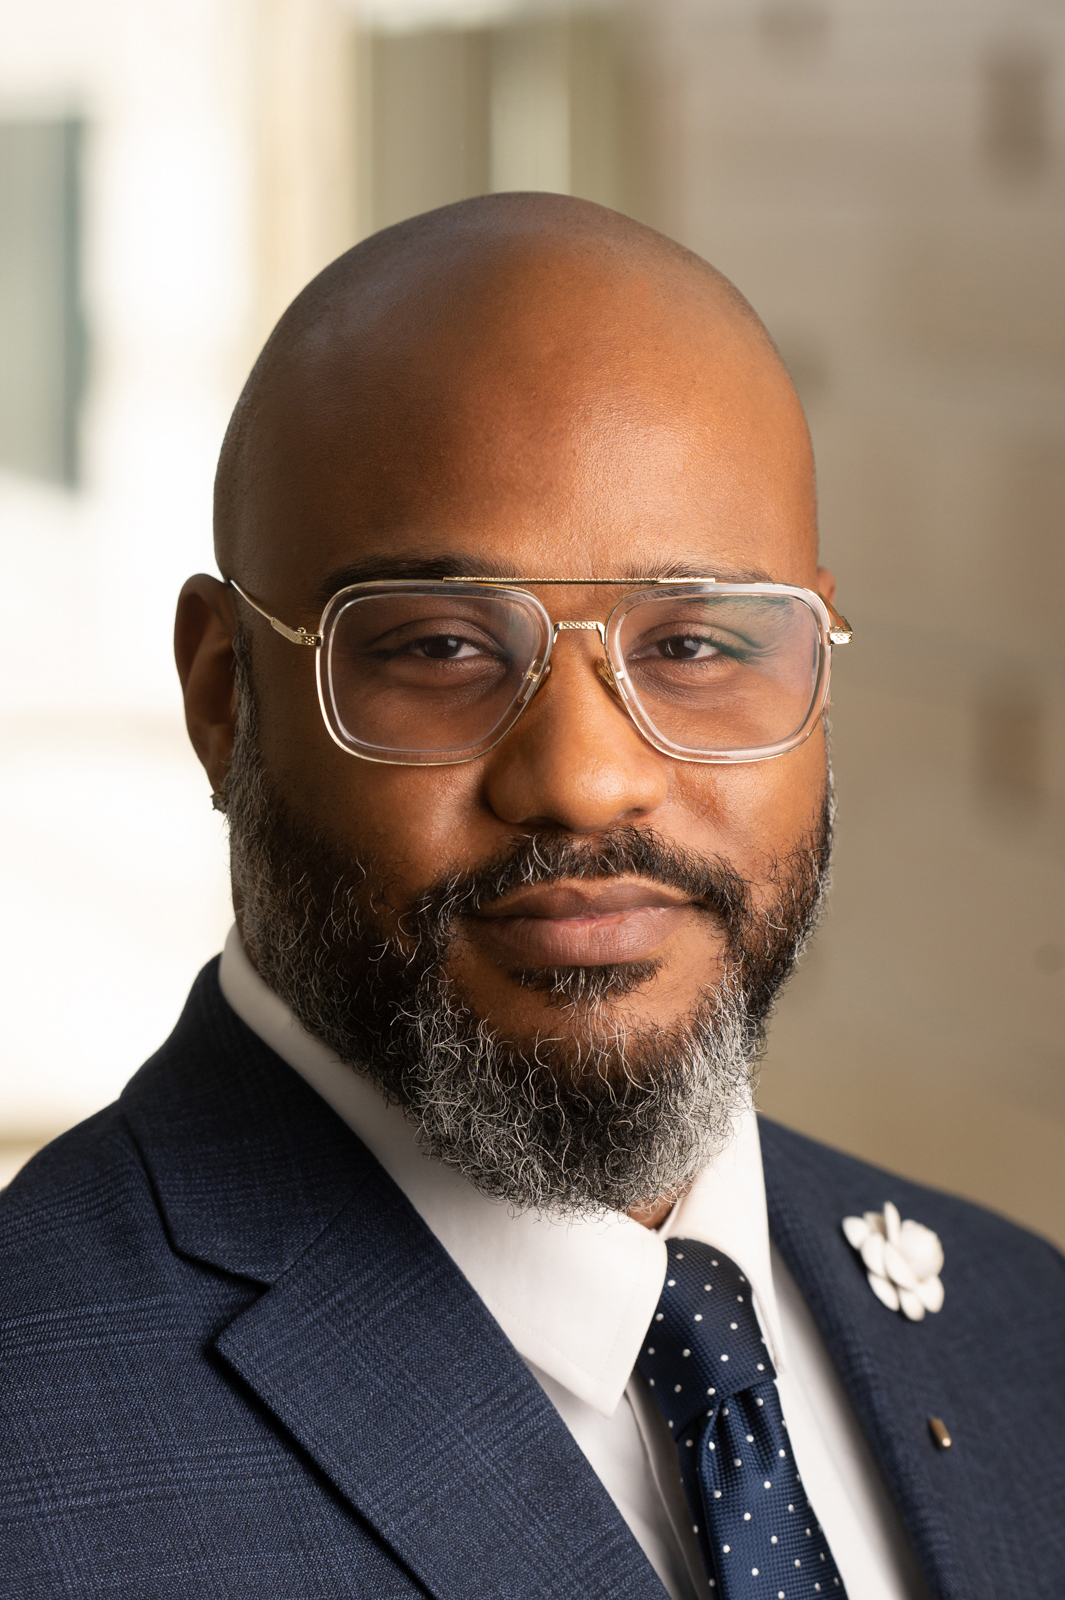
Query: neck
651	1215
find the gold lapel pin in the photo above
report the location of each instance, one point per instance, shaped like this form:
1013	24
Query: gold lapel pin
940	1433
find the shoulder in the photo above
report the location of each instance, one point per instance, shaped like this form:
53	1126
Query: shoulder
218	1163
87	1266
80	1208
96	1305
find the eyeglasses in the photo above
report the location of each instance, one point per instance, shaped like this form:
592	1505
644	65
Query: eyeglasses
435	672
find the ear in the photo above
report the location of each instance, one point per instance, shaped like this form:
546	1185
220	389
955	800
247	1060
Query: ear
204	629
826	585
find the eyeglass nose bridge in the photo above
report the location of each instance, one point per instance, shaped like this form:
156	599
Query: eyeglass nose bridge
599	627
603	668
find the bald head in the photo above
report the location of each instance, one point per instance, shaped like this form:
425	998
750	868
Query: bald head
484	335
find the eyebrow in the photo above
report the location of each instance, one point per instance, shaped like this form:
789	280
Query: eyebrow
462	565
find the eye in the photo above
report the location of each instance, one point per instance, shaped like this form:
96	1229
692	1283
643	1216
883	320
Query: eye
686	647
442	647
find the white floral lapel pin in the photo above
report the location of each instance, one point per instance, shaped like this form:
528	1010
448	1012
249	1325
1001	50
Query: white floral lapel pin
903	1260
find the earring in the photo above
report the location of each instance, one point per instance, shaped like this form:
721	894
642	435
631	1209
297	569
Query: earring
218	799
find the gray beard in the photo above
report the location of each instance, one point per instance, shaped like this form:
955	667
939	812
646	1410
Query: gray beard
601	1116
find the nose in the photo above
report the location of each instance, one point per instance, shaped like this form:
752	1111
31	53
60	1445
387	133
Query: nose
575	760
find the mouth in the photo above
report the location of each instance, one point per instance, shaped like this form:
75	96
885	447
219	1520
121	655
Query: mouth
582	924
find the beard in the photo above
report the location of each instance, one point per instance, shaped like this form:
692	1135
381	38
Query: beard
595	1115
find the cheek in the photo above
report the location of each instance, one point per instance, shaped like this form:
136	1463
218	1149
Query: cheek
408	824
417	822
755	812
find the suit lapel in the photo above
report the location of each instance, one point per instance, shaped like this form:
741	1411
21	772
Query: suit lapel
377	1356
368	1345
896	1373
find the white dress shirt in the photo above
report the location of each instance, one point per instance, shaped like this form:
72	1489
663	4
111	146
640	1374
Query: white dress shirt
576	1298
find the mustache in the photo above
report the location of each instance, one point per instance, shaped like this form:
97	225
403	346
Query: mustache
710	883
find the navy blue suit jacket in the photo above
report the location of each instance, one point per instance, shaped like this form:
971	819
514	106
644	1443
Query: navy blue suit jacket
235	1363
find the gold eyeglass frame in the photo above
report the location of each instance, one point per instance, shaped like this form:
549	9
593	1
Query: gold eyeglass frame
834	629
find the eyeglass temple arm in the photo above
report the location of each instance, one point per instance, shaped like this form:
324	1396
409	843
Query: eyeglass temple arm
294	635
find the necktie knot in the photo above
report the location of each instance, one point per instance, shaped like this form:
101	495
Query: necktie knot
704	1342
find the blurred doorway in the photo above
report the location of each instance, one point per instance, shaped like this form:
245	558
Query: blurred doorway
529	102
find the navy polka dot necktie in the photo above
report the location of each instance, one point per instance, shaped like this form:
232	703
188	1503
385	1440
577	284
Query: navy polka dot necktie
709	1370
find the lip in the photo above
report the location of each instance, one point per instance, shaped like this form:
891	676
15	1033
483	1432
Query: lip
583	924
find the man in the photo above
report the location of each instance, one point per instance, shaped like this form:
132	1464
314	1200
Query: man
431	1255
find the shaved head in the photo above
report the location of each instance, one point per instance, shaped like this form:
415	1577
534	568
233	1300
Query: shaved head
393	346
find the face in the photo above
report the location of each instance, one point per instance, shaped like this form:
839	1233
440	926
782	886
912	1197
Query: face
609	429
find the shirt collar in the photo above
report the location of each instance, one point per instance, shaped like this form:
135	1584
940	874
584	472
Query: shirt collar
574	1297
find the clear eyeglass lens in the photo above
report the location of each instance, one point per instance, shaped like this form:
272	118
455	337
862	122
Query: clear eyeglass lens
415	675
427	673
722	672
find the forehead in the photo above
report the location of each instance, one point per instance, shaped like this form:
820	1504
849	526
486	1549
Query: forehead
581	427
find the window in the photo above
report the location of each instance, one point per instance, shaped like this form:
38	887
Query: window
41	334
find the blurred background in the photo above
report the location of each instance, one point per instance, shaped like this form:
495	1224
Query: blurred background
884	179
